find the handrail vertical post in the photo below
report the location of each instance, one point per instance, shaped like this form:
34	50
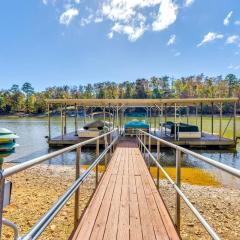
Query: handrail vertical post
178	183
144	152
65	118
105	158
97	154
62	130
155	120
220	122
77	193
49	123
111	137
212	118
201	119
75	119
234	121
158	159
2	183
149	148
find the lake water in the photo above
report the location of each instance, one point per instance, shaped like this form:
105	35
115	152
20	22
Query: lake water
32	141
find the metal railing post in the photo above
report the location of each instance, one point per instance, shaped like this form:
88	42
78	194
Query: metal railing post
2	182
144	141
105	158
149	148
178	183
97	154
77	193
158	159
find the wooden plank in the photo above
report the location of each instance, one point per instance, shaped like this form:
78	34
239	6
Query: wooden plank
166	219
123	224
87	222
159	229
127	153
147	227
112	222
100	224
135	223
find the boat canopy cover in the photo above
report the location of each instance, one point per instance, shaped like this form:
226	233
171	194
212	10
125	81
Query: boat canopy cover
96	125
136	124
182	127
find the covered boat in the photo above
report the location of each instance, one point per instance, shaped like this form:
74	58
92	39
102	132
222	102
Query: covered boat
183	130
132	127
93	129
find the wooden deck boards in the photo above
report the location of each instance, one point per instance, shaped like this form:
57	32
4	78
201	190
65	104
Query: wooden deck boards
126	204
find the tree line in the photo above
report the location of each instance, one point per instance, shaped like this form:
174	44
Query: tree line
26	99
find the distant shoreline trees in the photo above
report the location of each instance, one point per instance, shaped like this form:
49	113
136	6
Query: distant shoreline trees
26	100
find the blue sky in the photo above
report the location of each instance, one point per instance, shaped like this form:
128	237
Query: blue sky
56	42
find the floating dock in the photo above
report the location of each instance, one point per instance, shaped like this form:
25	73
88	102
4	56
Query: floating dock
206	141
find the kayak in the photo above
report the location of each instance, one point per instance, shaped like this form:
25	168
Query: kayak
6	153
7	136
4	131
8	146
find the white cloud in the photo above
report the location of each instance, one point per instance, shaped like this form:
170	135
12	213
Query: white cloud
167	15
172	40
129	17
211	36
177	54
188	3
68	15
227	18
132	19
45	2
87	20
133	32
234	39
237	22
234	67
110	35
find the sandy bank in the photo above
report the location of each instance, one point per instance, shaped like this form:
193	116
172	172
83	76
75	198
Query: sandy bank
36	189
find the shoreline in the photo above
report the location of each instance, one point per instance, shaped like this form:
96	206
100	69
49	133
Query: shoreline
36	189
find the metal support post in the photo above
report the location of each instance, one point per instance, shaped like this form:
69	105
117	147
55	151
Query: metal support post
178	183
77	193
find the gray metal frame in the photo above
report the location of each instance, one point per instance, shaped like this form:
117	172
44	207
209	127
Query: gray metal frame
141	137
44	221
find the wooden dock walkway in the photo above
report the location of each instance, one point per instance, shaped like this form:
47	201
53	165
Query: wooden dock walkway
126	204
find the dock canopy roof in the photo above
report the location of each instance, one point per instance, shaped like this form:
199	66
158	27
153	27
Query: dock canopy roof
140	102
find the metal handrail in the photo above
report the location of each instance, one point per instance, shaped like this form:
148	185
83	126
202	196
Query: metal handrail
224	167
38	228
177	185
20	167
44	221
